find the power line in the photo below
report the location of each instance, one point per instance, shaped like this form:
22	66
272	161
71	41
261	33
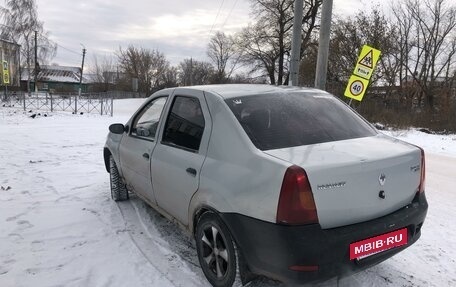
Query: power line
229	14
213	24
41	36
63	47
68	57
69	50
52	41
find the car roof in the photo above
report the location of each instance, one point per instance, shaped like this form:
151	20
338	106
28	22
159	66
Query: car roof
228	91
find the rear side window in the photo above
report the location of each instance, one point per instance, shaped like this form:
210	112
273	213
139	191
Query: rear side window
282	120
185	125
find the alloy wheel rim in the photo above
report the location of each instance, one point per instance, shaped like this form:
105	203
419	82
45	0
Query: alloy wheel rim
215	254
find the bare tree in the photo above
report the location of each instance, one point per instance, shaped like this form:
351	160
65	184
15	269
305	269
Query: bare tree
221	50
308	64
266	44
417	68
148	66
104	72
428	45
349	35
169	78
20	19
192	72
258	51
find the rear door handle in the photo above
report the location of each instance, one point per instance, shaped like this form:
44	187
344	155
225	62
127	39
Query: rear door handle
146	156
191	171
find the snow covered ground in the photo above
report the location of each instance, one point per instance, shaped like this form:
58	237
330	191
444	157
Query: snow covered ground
59	227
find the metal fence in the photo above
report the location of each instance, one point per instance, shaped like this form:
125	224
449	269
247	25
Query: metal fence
101	103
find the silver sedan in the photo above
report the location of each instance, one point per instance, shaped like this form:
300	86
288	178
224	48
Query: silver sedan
284	182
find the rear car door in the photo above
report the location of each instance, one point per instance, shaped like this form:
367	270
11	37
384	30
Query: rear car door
180	153
136	148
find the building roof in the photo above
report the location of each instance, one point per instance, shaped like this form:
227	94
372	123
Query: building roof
9	42
59	74
439	79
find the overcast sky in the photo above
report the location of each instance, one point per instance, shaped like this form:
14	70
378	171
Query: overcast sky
179	29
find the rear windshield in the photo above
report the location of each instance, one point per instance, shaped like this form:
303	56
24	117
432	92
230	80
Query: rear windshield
274	121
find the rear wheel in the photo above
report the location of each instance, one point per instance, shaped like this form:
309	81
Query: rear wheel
119	191
216	251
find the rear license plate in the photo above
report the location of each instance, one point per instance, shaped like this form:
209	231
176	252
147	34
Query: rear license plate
377	244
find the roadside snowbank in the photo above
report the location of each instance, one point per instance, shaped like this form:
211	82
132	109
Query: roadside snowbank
437	144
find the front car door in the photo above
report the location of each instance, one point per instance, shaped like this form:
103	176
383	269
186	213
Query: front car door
136	148
179	154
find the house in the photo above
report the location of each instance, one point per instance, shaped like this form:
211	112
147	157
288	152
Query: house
55	79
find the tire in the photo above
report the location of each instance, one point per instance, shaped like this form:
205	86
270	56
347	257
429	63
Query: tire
119	191
218	258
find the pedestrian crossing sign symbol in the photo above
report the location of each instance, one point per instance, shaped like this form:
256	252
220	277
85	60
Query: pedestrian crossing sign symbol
366	61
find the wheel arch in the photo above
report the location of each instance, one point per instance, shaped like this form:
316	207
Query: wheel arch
245	272
197	215
106	154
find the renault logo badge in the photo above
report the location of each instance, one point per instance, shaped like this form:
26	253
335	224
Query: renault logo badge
382	179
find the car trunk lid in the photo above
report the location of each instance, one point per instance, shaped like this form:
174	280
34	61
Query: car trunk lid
358	179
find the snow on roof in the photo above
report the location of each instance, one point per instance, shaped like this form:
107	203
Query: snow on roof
61	68
61	74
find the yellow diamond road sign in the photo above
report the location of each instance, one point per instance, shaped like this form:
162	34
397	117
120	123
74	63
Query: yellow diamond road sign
6	76
364	69
367	61
356	88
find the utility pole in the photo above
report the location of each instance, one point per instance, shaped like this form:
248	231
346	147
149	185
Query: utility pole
82	68
191	71
296	43
323	45
37	66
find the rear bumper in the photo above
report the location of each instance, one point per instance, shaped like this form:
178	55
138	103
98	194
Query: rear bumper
270	249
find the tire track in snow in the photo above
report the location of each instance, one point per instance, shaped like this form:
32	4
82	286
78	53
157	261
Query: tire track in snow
154	237
161	242
155	247
170	281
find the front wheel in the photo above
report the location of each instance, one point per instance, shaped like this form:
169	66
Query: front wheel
216	251
119	191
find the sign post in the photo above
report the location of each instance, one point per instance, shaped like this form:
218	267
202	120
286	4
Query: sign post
359	80
6	77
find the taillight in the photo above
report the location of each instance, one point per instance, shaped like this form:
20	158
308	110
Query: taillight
296	202
423	172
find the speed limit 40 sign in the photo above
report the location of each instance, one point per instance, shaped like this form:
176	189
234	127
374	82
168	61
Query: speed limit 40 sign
364	69
356	88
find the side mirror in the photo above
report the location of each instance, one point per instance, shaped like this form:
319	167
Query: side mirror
117	129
